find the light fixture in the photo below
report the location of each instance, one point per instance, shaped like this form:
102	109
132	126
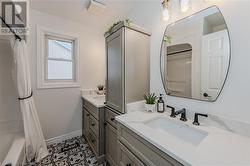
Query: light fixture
185	5
165	11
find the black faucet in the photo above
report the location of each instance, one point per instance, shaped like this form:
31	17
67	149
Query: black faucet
172	111
183	114
196	120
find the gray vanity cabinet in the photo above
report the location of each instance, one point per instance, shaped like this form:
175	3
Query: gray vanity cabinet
93	129
86	117
111	142
111	145
134	150
127	158
127	50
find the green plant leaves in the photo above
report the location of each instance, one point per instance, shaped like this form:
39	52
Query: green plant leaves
167	39
111	28
150	98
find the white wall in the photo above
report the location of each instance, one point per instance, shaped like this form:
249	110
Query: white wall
234	101
59	110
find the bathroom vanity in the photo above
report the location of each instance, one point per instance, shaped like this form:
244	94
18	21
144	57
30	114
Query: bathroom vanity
141	138
127	53
156	139
135	150
127	49
93	124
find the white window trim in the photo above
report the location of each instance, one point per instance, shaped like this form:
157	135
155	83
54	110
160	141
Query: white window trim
41	53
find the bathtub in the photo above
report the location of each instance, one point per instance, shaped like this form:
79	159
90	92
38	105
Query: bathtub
16	151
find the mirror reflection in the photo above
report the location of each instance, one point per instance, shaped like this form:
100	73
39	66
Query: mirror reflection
195	56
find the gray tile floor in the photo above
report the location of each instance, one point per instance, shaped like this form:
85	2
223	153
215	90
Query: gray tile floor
72	152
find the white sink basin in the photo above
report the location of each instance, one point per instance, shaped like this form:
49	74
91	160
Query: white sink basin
177	129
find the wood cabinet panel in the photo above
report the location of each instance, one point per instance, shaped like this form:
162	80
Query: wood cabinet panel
110	117
93	129
94	126
145	151
91	108
126	158
111	145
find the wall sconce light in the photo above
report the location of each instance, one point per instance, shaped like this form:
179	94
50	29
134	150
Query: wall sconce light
165	10
185	5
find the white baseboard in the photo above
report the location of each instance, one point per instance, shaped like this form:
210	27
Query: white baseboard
64	137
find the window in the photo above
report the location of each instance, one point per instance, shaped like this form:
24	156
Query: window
60	59
57	60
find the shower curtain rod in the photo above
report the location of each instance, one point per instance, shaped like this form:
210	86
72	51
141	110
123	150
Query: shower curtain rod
12	31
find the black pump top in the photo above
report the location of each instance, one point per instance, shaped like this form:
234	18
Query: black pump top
160	97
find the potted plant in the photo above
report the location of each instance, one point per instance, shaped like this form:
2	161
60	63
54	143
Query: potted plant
150	102
112	27
100	89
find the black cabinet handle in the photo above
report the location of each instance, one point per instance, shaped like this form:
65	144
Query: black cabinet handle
87	114
105	124
112	119
93	124
92	140
128	165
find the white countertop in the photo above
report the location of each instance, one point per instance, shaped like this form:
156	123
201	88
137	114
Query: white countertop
96	100
219	147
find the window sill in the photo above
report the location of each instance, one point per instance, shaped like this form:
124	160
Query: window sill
58	85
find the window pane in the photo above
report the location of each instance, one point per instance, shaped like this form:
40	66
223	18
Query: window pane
60	49
61	70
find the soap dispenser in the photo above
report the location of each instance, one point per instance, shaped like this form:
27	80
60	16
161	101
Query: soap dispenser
160	105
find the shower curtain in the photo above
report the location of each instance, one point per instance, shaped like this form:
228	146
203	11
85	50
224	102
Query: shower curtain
35	144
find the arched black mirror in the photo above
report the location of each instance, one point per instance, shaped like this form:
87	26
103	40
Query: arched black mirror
195	56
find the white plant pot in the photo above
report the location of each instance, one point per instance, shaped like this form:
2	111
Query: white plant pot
100	92
149	107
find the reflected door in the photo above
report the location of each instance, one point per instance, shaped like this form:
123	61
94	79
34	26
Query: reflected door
214	62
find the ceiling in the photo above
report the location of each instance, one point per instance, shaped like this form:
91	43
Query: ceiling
75	10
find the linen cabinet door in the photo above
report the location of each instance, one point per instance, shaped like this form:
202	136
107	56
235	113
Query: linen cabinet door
115	70
111	145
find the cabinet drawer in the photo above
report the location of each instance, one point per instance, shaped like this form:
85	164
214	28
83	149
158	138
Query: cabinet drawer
110	117
86	119
94	143
91	108
94	126
145	151
126	158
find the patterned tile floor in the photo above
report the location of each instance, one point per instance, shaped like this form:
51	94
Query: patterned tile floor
72	152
